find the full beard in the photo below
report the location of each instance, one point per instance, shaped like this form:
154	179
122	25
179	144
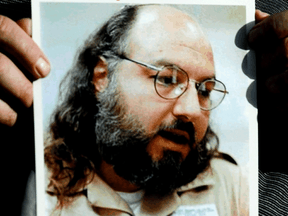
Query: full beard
123	141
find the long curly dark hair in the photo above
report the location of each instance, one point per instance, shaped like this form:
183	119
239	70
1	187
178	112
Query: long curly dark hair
71	151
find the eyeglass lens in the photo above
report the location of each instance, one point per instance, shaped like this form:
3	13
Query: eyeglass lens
171	83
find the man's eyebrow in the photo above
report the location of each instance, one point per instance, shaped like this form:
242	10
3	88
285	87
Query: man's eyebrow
208	78
163	62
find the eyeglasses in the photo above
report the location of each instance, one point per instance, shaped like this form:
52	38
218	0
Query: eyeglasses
171	82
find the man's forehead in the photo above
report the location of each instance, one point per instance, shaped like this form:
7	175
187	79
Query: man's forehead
157	26
151	13
165	33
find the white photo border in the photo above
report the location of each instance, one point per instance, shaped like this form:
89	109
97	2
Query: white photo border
38	114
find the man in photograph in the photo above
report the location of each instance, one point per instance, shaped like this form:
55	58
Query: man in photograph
132	135
22	62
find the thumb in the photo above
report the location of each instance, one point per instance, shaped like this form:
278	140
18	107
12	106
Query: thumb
26	25
260	16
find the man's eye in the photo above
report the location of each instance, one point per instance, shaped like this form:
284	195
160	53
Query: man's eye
204	92
167	80
205	89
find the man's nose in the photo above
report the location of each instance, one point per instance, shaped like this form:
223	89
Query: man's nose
187	105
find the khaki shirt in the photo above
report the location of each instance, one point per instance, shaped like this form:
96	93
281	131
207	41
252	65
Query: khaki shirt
224	185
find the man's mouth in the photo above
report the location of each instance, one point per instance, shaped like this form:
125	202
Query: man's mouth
176	135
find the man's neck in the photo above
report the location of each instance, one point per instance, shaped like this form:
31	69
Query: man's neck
107	173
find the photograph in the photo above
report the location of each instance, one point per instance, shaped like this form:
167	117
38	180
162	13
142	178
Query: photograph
147	109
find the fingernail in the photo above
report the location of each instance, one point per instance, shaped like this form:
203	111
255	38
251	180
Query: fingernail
42	67
29	28
264	13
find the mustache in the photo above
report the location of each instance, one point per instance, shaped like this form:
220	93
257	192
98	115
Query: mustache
178	131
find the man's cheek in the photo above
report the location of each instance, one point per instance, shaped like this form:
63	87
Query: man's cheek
201	127
153	118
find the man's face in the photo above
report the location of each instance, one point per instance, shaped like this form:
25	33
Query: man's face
151	141
166	37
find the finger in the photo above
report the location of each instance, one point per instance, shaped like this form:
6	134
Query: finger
271	28
260	16
26	25
278	84
7	115
15	41
14	81
275	58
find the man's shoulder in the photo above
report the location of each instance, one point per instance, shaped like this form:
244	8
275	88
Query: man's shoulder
229	170
224	166
68	204
221	172
223	184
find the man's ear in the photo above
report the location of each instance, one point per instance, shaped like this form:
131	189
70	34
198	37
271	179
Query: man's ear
100	75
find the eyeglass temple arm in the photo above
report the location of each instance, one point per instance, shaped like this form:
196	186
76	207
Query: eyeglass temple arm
226	92
141	63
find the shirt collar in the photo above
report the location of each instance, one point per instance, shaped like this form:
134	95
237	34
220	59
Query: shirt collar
100	194
205	178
